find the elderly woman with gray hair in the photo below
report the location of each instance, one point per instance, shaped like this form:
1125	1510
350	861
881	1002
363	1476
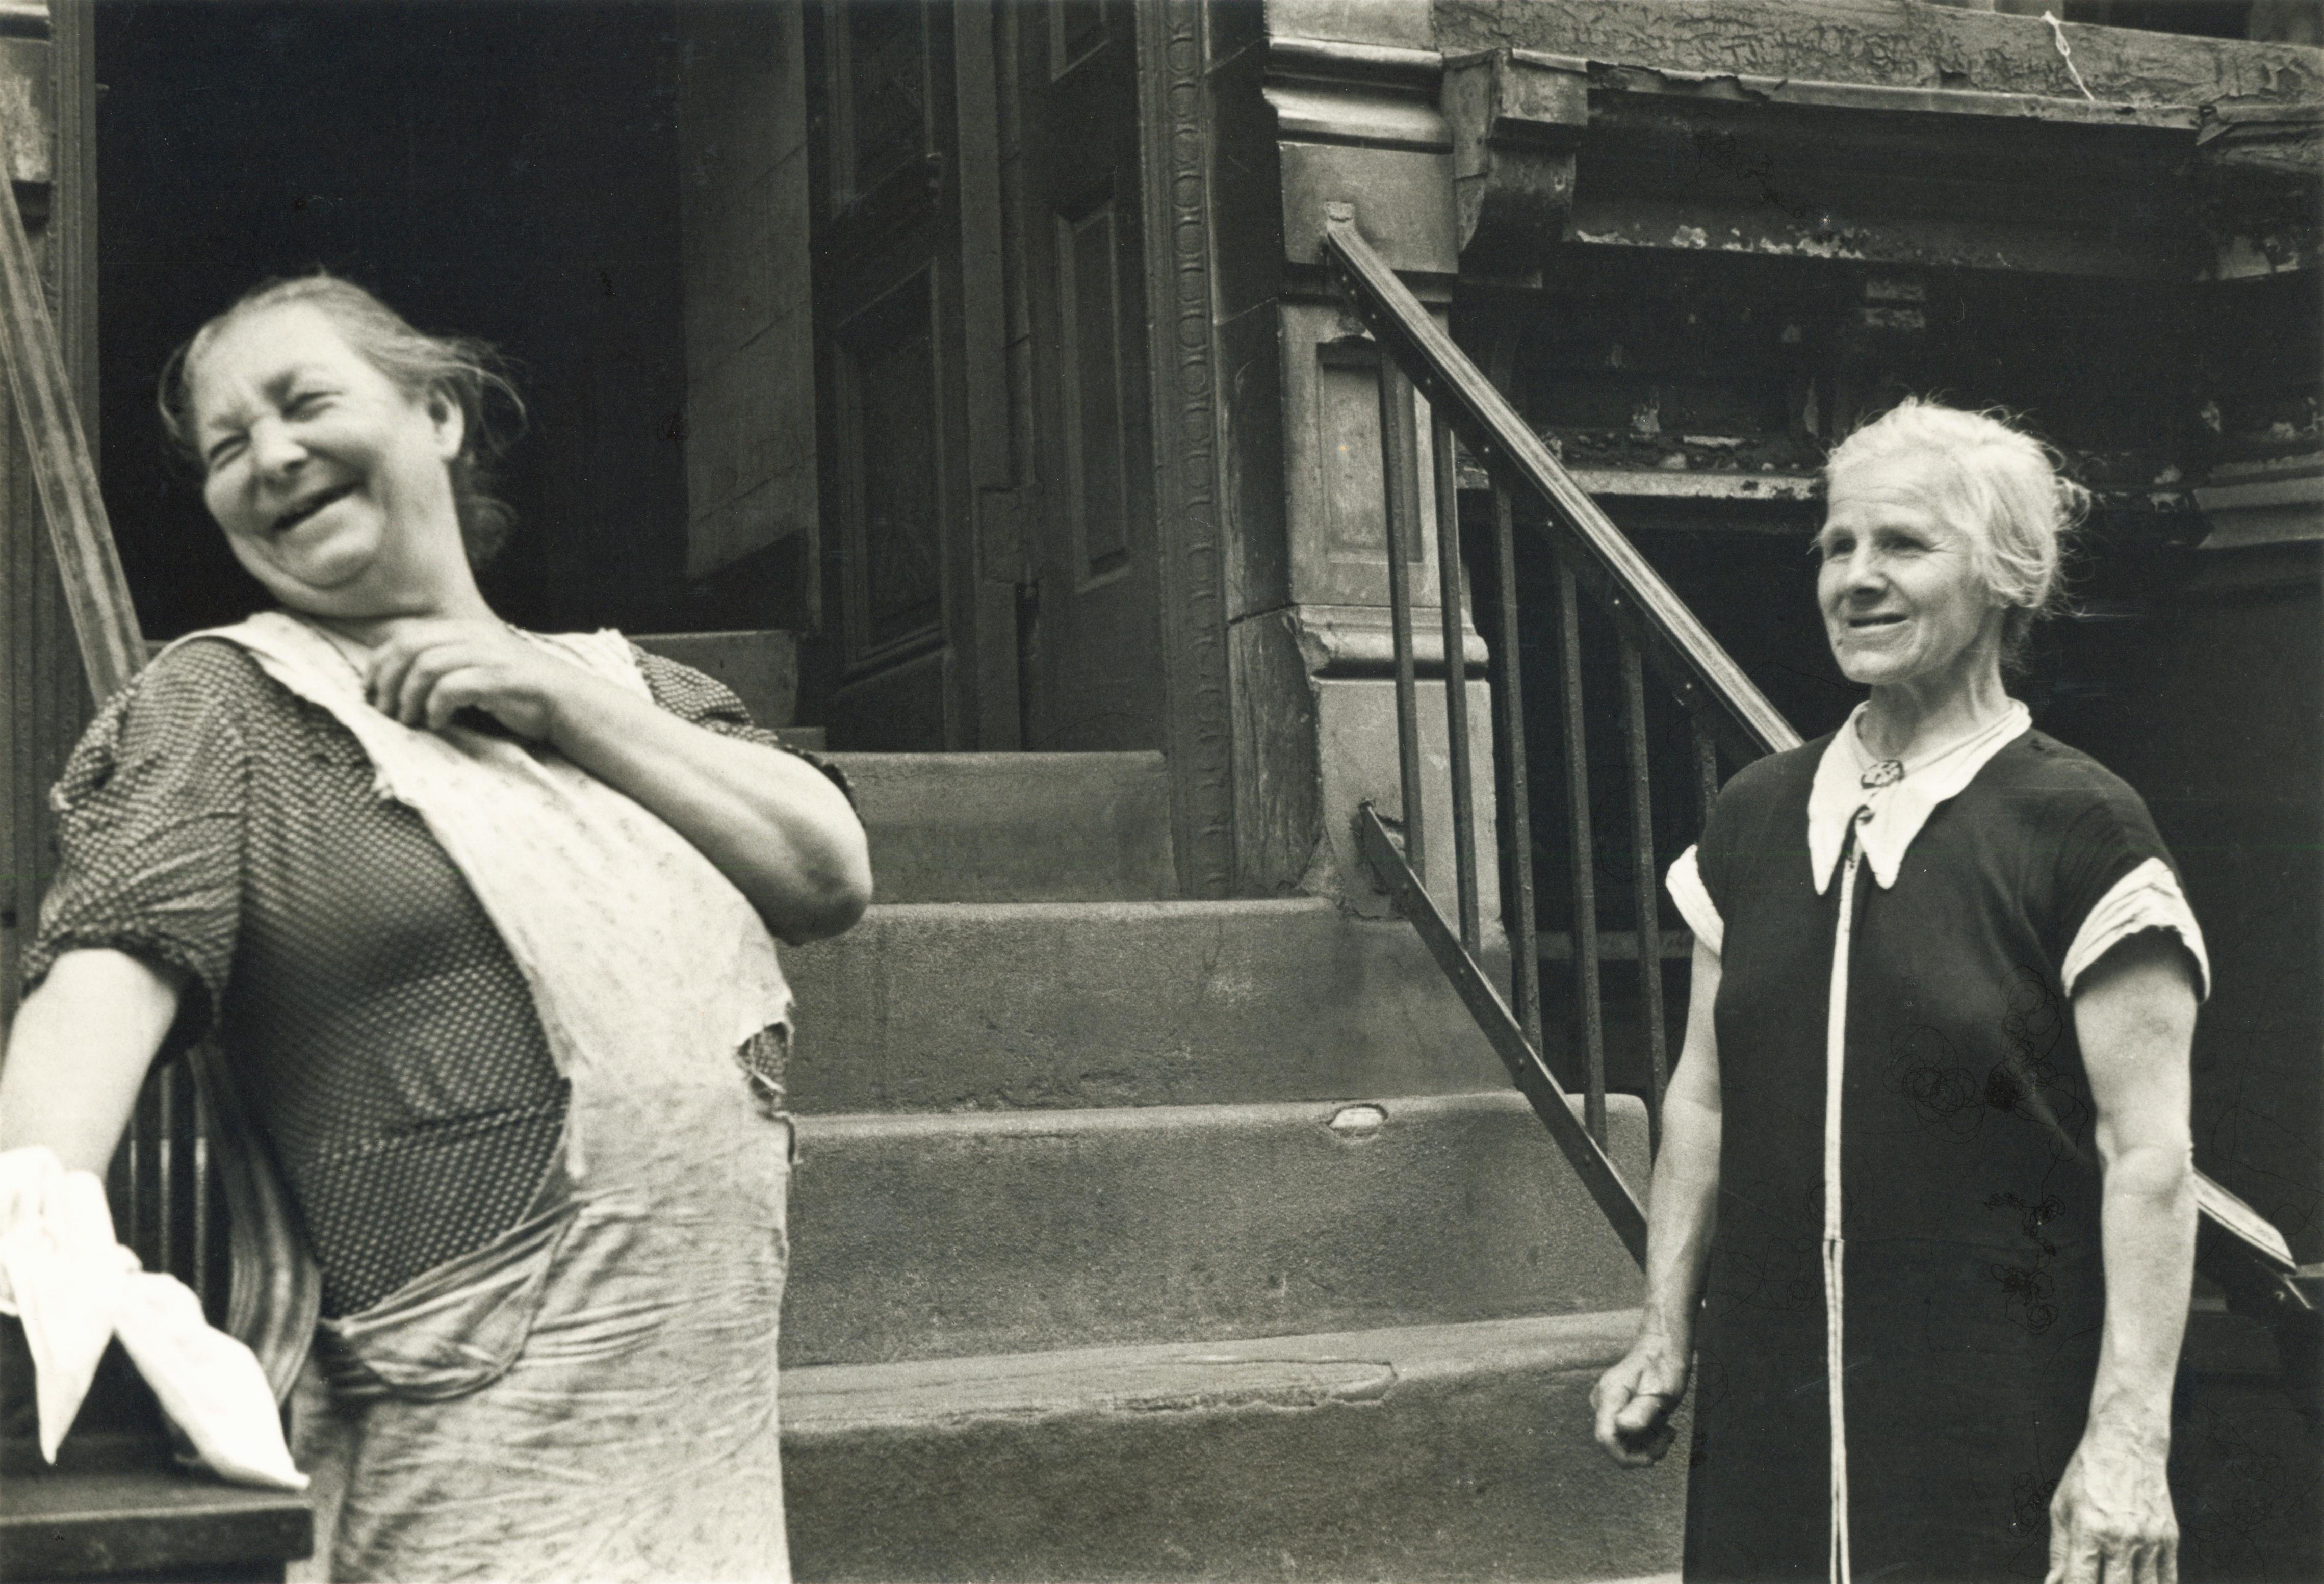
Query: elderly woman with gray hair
1923	1222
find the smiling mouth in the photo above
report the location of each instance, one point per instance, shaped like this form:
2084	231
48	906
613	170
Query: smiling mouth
308	507
1865	623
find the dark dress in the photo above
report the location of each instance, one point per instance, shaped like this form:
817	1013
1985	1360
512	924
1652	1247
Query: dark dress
215	823
1969	1181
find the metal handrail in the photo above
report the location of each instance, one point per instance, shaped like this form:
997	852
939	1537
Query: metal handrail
1702	675
1726	712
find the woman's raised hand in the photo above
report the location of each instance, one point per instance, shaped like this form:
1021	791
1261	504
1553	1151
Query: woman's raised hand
428	669
1634	1401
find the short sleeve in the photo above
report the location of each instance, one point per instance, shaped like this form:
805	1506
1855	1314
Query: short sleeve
153	813
1694	903
702	700
2115	881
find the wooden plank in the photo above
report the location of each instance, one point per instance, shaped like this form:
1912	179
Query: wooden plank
56	1525
104	623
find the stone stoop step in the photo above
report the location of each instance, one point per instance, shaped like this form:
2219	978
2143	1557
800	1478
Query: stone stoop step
1004	1005
916	1236
1015	827
1438	1452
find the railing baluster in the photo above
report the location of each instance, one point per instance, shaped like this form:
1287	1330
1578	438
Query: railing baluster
145	1176
1399	458
169	1207
1449	587
1646	882
204	1286
1706	762
1581	857
1524	966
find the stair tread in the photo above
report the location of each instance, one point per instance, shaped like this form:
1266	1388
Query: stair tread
1038	1228
975	761
1365	1366
997	1005
1038	827
1097	909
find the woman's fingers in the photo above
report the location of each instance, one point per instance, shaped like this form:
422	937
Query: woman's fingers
1633	1427
384	682
454	692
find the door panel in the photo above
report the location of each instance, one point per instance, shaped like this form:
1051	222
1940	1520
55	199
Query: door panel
891	441
887	281
1092	671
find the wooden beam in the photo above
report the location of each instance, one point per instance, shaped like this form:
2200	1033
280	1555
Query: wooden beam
104	623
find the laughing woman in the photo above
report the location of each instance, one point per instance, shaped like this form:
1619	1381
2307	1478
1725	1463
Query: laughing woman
483	922
1923	1222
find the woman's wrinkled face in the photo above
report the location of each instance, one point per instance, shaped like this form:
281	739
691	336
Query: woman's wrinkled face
330	481
1902	597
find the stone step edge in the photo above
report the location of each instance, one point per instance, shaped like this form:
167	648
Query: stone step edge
973	759
836	1401
1098	911
1352	1117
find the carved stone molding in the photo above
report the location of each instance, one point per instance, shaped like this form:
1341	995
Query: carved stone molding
1516	118
1174	130
2259	180
1358	122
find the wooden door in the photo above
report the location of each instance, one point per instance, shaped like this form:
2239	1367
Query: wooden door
887	335
1089	623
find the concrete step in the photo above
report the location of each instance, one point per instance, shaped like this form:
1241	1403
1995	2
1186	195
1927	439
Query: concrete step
760	666
1002	1006
809	738
1015	827
1438	1452
919	1236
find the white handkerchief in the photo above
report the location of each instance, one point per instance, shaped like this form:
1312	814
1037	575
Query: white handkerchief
75	1289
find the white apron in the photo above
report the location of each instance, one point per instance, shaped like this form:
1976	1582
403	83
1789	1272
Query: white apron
591	1396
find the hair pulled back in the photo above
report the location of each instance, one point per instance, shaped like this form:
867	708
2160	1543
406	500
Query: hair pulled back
459	369
1998	485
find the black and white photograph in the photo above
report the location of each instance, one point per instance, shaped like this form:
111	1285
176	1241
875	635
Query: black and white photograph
1162	791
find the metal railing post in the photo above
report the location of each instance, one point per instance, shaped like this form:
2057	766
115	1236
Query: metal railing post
1646	885
1581	858
1706	763
1400	456
1449	590
1525	943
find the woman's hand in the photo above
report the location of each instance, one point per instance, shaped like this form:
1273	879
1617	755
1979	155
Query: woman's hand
771	823
2111	1518
430	669
1635	1399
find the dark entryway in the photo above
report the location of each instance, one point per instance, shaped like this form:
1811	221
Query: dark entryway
498	169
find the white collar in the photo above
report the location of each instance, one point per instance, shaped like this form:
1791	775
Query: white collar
1899	810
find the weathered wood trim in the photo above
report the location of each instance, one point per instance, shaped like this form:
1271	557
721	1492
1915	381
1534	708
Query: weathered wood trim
42	689
1174	138
72	65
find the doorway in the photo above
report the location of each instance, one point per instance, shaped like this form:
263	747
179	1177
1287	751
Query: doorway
485	173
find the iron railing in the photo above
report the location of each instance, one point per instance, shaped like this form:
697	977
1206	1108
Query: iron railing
1726	714
1656	633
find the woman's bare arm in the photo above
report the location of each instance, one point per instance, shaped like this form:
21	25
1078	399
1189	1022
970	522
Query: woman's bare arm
771	823
2134	1016
79	1053
1634	1399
